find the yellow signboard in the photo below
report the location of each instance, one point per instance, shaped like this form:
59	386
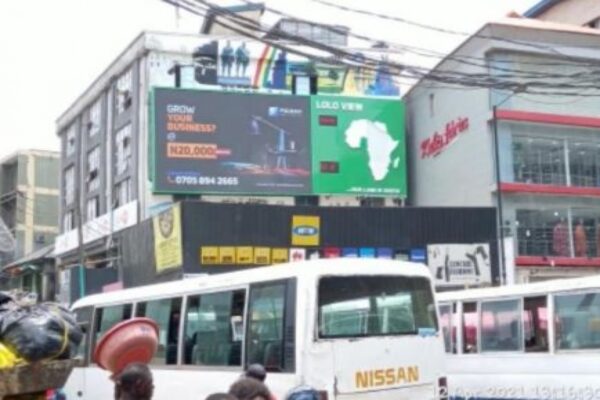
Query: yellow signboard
262	255
209	255
306	230
279	256
227	255
245	255
168	251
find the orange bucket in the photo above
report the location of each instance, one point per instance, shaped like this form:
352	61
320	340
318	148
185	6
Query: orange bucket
131	341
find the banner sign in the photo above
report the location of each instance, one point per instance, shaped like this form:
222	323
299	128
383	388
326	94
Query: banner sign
459	264
297	254
262	255
306	230
209	255
230	143
279	256
358	146
168	248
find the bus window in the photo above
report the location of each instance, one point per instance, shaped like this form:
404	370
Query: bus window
446	326
84	319
214	329
469	330
577	321
374	305
166	313
108	317
535	324
271	316
501	325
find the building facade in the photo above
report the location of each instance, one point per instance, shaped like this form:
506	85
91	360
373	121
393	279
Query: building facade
29	193
576	12
545	180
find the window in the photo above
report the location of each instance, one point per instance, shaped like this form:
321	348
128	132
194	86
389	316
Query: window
84	318
123	143
124	92
539	160
93	208
166	313
95	116
123	192
68	221
535	324
108	317
584	163
448	323
214	329
586	232
469	328
270	330
543	232
374	306
71	140
93	169
69	185
577	321
501	325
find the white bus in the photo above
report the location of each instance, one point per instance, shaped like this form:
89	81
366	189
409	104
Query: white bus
532	341
350	328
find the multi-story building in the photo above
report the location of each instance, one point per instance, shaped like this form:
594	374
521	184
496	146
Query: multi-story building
105	164
545	131
577	12
29	195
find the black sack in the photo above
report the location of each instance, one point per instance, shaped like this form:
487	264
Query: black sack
41	332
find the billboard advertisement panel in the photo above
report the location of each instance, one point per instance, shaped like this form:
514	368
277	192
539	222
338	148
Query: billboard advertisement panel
230	143
358	146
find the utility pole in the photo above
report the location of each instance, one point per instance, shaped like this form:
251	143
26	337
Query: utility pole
499	198
80	251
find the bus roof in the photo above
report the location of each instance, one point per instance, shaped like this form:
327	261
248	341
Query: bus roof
526	289
312	268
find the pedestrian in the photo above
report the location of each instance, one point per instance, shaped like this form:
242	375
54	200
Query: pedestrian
250	389
134	383
303	393
256	371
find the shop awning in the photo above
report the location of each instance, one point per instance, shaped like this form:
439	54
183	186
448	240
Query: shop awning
32	260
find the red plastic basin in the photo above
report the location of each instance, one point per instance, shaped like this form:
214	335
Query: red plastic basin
131	341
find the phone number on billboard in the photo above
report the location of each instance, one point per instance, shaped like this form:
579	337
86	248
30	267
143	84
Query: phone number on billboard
207	180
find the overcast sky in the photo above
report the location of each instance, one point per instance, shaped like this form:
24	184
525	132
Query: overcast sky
53	50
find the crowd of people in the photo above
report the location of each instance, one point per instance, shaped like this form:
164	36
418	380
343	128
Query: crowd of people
135	383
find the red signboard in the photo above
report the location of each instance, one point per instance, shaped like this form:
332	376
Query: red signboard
437	143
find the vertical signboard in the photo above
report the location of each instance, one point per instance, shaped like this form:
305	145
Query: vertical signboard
231	143
358	146
306	230
460	264
167	239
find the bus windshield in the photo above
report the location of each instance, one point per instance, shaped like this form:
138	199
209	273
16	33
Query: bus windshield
360	306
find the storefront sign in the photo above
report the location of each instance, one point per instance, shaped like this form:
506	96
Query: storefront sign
366	252
209	255
122	217
350	252
262	255
168	247
332	252
459	264
438	142
227	255
279	256
385	253
297	255
306	230
244	255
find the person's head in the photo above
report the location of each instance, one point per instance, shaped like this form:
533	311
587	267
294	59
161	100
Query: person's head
303	393
249	389
256	371
134	383
220	396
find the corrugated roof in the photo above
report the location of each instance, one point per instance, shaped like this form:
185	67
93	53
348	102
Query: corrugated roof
41	254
